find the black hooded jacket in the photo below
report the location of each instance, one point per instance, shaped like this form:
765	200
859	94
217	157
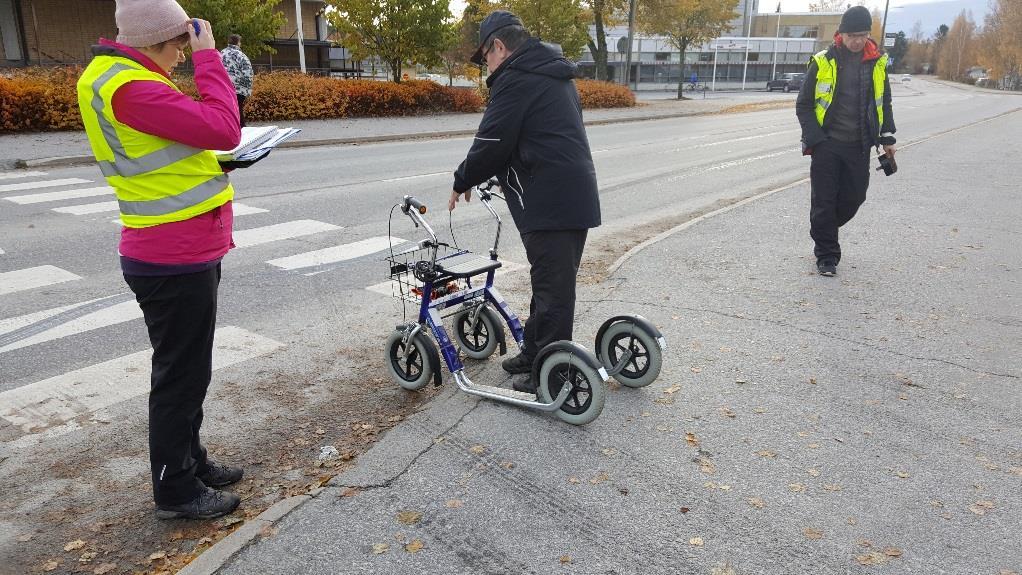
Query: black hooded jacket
532	139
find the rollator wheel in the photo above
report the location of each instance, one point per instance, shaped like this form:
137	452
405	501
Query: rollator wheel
414	372
479	342
647	358
588	394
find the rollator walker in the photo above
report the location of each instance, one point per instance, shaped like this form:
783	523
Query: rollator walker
438	278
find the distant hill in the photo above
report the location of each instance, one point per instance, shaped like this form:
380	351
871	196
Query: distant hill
933	14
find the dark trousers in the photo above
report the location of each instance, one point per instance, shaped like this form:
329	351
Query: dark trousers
180	314
554	257
241	109
839	177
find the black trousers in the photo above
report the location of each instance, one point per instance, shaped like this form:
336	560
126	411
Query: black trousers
839	176
180	314
241	109
554	257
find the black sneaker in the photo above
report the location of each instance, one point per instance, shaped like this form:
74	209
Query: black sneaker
526	386
826	267
517	364
208	505
219	475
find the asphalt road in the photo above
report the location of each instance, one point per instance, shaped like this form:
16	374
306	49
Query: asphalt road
72	352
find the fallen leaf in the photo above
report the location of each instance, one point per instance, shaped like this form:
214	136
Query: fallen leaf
981	507
695	369
812	381
684	510
157	556
741	381
414	546
454	503
395	418
574	480
177	536
726	412
26	537
902	474
851	521
892	552
349	492
409	517
599	478
813	472
796	487
507	464
724	569
104	568
865	543
321	431
691	439
74	545
757	502
51	565
87	557
696	541
707	466
664	401
1007	572
759	410
646	413
477	449
811	533
766	453
229	521
268	531
380	548
832	487
673	389
872	558
609	451
565	559
813	446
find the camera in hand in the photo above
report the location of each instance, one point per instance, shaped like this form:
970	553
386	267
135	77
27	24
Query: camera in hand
887	164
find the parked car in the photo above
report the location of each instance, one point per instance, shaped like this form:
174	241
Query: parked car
906	77
788	82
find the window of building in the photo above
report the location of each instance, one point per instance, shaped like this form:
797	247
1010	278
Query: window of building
662	56
706	56
753	57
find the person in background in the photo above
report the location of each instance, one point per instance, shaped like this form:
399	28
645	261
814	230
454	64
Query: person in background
844	108
152	144
239	68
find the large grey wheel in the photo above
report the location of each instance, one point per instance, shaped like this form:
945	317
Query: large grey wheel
414	371
477	342
588	391
646	356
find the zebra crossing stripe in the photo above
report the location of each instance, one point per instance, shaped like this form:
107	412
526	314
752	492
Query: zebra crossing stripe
336	253
16	175
56	196
31	278
85	209
283	231
103	317
42	184
51	402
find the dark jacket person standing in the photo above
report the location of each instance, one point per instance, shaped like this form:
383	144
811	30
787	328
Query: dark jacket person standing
532	139
844	108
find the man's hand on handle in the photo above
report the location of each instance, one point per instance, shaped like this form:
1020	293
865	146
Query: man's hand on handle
889	150
456	197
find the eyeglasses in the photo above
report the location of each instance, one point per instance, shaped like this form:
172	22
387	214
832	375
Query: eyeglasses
487	49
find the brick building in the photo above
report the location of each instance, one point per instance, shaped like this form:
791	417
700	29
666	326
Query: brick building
50	32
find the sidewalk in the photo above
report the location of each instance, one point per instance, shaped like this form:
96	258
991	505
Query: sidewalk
866	423
67	148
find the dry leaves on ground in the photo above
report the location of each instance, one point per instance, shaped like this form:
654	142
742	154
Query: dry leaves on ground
409	517
797	487
414	546
707	466
872	558
696	541
727	412
811	533
691	439
600	478
832	487
813	472
51	565
766	453
104	569
901	474
981	507
478	449
74	545
565	559
757	502
380	548
454	503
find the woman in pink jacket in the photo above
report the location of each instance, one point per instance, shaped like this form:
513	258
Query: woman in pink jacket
173	267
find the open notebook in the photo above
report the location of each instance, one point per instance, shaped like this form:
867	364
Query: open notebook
256	142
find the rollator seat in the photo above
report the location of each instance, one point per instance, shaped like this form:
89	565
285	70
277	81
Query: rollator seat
465	265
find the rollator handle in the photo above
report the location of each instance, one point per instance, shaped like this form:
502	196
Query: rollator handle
411	202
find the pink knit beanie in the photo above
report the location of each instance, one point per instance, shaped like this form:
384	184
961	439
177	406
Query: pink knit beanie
143	23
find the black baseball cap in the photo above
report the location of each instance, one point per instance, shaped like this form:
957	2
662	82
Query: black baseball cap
494	21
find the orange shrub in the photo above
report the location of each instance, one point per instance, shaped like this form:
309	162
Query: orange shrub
39	99
596	94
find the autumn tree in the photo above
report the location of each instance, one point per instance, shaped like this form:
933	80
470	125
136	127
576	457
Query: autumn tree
398	31
828	5
1000	46
561	22
686	22
253	20
602	13
958	52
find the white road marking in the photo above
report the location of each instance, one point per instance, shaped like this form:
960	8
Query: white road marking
30	278
284	231
387	288
12	323
113	315
16	175
85	209
417	176
66	195
1	251
42	184
59	399
245	209
335	254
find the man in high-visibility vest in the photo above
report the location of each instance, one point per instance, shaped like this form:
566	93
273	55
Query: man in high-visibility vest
844	108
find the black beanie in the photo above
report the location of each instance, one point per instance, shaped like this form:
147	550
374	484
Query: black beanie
856	19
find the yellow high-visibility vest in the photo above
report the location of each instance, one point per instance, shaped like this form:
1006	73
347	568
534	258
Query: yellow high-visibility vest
826	85
156	180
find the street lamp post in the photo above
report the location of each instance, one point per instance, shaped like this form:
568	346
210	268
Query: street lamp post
713	83
301	39
631	38
777	35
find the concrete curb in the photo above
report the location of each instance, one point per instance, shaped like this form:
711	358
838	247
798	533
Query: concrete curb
211	560
65	161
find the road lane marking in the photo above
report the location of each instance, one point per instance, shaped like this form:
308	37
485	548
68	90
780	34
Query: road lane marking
54	401
65	195
42	184
31	278
111	315
85	209
402	178
336	253
276	232
16	175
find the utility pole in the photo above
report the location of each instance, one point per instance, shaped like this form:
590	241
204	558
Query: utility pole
301	39
883	27
777	35
632	38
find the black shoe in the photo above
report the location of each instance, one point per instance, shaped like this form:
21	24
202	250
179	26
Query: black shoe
527	386
826	267
517	364
208	505
219	475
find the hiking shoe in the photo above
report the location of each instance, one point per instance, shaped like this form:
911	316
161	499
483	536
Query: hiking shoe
517	364
207	505
527	386
826	268
219	475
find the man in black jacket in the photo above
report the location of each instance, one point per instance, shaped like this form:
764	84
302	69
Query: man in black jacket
532	139
844	108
